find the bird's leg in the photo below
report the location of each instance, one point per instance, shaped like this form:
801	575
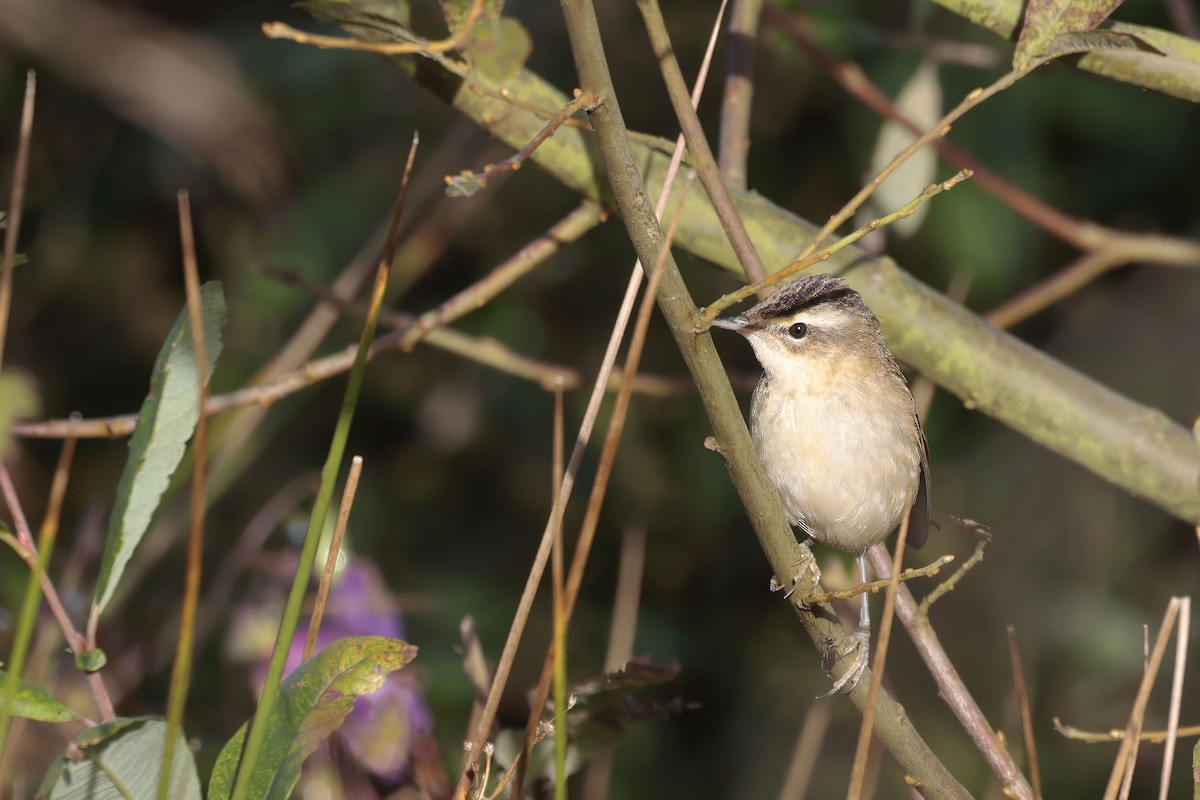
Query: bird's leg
806	564
859	646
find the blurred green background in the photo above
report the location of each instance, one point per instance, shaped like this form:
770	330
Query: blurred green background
292	156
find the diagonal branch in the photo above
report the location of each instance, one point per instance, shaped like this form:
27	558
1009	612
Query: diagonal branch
762	504
1128	444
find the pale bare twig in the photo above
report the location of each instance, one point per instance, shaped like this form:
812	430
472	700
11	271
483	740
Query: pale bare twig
278	30
824	598
858	770
1123	763
1181	650
983	535
621	633
579	560
951	687
181	670
335	548
23	545
804	755
704	163
1104	248
733	147
578	222
717	306
1116	735
1014	652
16	205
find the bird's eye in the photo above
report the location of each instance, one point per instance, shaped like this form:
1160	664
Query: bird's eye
797	330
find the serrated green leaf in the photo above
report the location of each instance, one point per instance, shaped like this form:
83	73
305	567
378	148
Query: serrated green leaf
313	702
31	702
121	760
165	424
1045	19
18	400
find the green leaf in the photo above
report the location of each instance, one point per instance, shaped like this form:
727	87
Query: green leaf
1072	42
313	702
18	399
33	703
920	101
165	423
121	760
1045	19
91	661
499	48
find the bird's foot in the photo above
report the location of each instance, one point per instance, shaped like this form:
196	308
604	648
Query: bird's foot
860	648
806	565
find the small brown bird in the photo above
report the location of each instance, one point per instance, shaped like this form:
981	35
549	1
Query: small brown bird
835	426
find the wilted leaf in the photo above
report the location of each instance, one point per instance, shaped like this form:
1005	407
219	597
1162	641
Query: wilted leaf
313	701
120	760
603	708
33	703
920	101
1045	19
165	423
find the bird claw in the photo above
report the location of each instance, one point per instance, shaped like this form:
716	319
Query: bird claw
807	564
860	647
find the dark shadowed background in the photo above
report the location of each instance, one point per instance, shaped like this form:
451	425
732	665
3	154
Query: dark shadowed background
293	155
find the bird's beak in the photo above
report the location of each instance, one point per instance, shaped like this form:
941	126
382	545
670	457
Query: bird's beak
739	324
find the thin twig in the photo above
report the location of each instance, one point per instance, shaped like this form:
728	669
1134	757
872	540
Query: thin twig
1018	670
16	205
335	548
182	669
559	634
859	769
278	30
27	617
703	161
1181	649
951	687
907	210
1117	735
1123	763
578	222
258	727
24	547
733	147
621	634
579	560
804	755
467	183
486	351
762	504
983	535
824	598
537	568
1105	248
475	668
